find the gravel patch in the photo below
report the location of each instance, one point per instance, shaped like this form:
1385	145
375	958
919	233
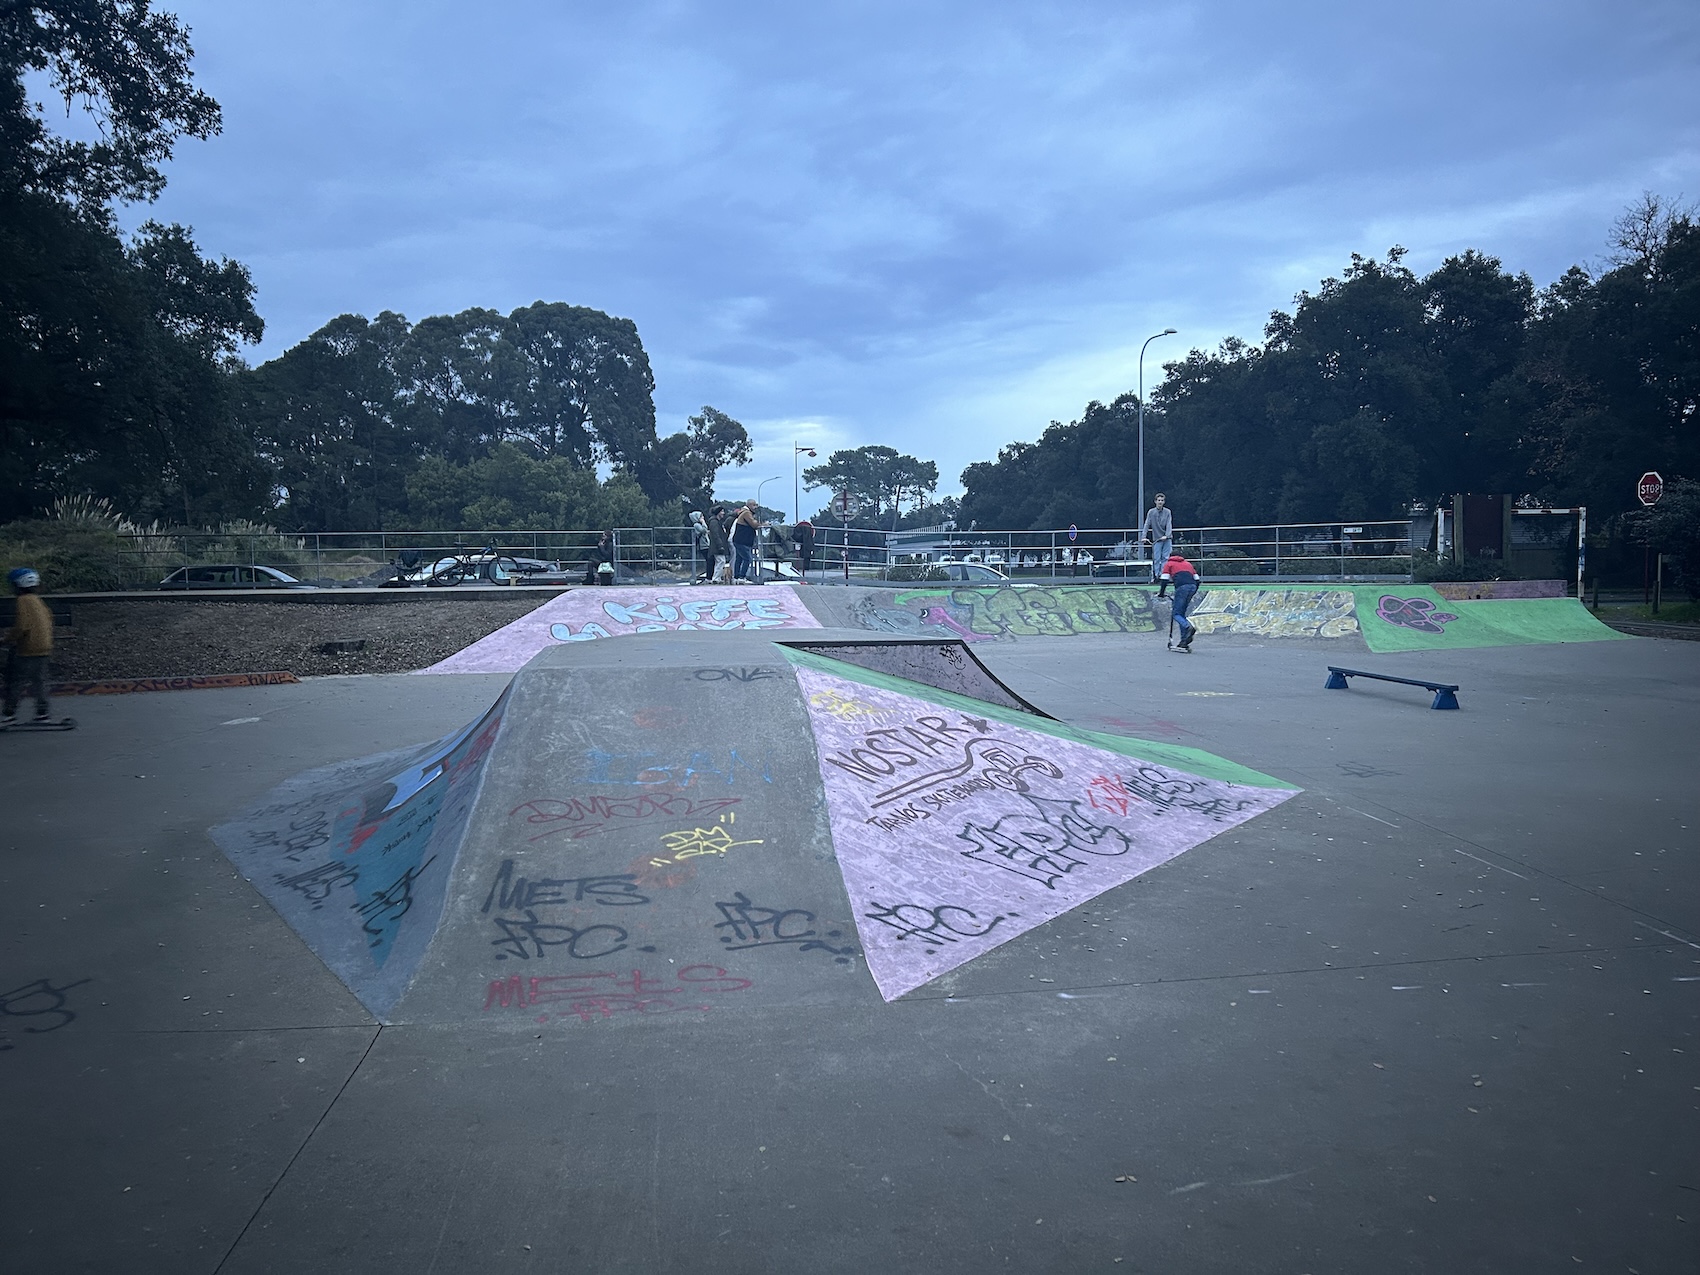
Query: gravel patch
187	639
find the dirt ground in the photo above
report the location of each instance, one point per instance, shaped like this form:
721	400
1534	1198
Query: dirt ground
186	639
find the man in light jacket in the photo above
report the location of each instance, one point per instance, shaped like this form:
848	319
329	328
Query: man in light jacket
1158	530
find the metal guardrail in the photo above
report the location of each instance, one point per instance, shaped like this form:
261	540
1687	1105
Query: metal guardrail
1295	551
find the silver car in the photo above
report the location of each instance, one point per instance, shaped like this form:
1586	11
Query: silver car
232	575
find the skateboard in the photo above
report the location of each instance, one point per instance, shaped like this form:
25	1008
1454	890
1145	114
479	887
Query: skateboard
25	724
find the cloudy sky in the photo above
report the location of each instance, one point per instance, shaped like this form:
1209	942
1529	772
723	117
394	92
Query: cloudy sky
933	225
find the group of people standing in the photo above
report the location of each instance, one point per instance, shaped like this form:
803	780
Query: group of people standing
729	536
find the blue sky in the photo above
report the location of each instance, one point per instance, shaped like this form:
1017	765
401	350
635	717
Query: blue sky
936	226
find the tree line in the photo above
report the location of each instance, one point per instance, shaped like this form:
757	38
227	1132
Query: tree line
1384	388
120	369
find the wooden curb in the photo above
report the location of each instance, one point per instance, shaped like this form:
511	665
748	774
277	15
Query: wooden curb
206	682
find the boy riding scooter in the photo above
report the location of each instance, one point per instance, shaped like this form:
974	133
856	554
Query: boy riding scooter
1184	576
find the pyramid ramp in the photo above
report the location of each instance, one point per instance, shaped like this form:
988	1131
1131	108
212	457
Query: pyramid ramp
683	823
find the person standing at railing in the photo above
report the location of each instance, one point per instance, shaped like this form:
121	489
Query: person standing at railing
1158	530
803	536
744	529
703	539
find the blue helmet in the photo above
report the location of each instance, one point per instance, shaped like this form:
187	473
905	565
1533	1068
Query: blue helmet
23	577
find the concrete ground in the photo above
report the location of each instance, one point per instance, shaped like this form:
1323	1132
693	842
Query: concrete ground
1438	1013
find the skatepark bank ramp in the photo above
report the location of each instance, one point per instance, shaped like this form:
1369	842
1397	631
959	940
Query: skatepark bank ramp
683	823
1376	618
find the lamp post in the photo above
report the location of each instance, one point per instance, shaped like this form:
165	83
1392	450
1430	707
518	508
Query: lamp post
1139	509
764	482
797	491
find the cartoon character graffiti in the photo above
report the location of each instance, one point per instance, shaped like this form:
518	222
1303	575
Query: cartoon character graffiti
1413	613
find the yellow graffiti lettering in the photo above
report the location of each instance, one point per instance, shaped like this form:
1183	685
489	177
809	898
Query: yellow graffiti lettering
1053	612
1328	613
689	843
844	707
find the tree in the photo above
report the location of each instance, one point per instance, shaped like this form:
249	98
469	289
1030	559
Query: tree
1611	377
330	417
1377	389
588	392
684	465
879	478
1672	527
112	356
349	416
123	64
510	490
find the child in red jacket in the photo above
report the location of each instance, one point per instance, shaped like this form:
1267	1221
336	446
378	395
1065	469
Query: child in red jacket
1184	576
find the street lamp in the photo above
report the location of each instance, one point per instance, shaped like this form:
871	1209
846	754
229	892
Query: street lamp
1139	509
797	491
764	482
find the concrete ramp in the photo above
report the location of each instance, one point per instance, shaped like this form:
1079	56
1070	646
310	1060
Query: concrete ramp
1336	618
685	823
1006	613
1340	618
591	614
1416	618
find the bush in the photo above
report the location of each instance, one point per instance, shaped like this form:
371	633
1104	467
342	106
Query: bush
72	557
918	571
245	541
1427	568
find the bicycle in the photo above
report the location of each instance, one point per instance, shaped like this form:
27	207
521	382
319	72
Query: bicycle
487	563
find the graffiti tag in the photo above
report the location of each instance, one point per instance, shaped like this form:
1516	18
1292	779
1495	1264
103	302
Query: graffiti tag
749	925
580	817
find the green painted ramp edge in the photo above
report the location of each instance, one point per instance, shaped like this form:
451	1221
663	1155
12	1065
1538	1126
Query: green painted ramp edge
1464	625
1193	760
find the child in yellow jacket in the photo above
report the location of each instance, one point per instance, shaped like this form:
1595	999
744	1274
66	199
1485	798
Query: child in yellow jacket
31	640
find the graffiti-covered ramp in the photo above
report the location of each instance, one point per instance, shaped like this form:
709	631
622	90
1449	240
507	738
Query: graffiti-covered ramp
684	823
976	614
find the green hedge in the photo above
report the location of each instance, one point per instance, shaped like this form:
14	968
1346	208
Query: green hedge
71	557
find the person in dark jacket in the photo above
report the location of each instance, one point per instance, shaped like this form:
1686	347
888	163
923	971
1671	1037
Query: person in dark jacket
803	536
721	537
604	552
1184	576
744	529
703	540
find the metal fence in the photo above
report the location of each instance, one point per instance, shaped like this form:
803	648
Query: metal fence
1292	551
1287	551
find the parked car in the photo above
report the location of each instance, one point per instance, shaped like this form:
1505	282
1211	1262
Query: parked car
975	571
964	572
232	575
486	569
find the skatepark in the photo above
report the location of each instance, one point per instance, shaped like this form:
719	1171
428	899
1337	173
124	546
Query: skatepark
851	929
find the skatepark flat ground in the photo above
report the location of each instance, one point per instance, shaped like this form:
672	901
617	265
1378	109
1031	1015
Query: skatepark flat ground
1436	1013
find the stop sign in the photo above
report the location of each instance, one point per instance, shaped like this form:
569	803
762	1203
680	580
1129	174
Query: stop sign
1650	488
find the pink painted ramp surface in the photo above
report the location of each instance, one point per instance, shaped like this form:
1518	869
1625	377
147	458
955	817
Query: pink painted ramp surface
956	831
585	615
